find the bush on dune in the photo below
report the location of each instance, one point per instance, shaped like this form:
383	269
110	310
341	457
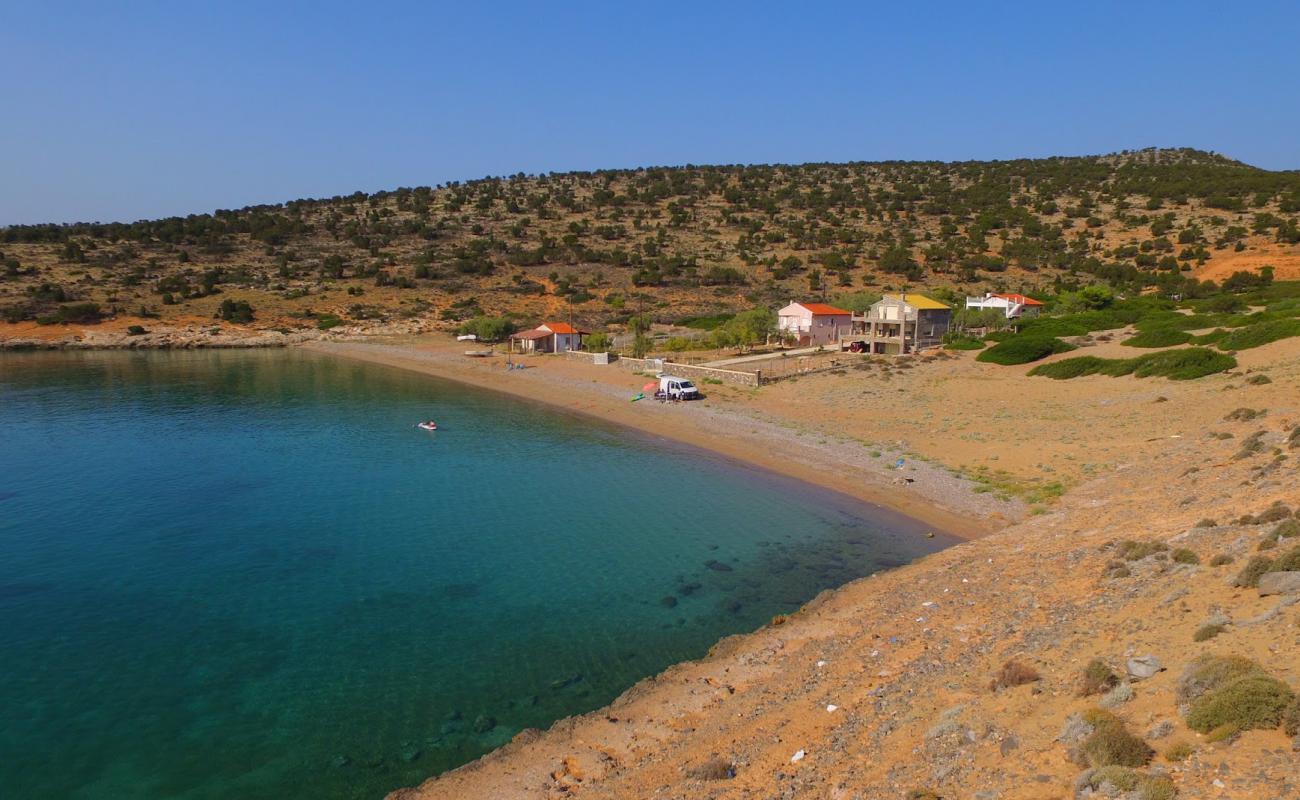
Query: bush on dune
1182	364
1023	349
1158	337
1260	333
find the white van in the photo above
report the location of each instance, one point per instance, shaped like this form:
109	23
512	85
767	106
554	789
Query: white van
671	388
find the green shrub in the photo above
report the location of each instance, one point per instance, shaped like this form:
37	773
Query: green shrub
705	323
1023	349
1288	529
1110	743
1146	787
238	311
488	329
1250	574
1131	550
1260	333
1207	632
327	321
1209	672
1178	751
1287	562
1158	337
1212	337
1122	778
1206	522
1220	560
135	330
1274	513
1291	719
597	342
963	343
1184	556
1255	701
1185	363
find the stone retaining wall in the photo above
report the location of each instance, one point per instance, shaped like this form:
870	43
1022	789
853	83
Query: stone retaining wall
728	376
691	371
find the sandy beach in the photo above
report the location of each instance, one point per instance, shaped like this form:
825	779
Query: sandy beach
728	421
881	688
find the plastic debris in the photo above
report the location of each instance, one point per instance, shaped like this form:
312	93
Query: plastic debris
797	757
831	709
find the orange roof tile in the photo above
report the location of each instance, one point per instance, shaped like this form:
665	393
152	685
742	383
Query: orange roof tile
1019	298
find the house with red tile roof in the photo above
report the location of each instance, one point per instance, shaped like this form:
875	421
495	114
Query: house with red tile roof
549	337
1014	306
813	324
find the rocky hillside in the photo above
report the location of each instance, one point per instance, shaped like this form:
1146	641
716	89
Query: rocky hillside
669	242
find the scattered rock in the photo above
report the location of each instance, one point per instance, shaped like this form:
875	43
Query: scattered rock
484	723
717	566
563	683
1279	583
1142	667
668	601
340	761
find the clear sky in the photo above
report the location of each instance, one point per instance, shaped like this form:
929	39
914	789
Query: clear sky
121	111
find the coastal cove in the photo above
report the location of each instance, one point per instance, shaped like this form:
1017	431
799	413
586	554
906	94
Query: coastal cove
246	573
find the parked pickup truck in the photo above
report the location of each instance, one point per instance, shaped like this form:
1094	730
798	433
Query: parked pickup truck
671	388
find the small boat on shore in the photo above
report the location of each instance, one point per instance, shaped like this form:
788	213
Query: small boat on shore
428	425
478	353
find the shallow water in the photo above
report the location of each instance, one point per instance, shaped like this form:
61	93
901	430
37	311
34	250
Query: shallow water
245	574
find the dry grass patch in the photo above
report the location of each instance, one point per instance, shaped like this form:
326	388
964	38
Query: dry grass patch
1141	786
1014	673
1098	677
1207	632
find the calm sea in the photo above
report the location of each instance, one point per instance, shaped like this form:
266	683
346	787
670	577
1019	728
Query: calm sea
246	574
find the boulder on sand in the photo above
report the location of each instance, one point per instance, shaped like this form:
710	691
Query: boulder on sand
1279	583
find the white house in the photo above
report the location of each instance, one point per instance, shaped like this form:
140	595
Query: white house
812	324
1013	305
549	337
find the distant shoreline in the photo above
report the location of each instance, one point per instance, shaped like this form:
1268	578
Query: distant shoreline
949	508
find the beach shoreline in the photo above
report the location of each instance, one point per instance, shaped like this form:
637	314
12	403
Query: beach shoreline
920	490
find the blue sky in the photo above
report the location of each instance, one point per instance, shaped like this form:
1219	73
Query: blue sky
136	110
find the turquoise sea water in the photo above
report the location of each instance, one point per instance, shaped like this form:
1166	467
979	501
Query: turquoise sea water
246	574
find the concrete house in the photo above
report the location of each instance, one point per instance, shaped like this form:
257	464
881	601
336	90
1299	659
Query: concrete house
898	324
814	324
1014	306
549	337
